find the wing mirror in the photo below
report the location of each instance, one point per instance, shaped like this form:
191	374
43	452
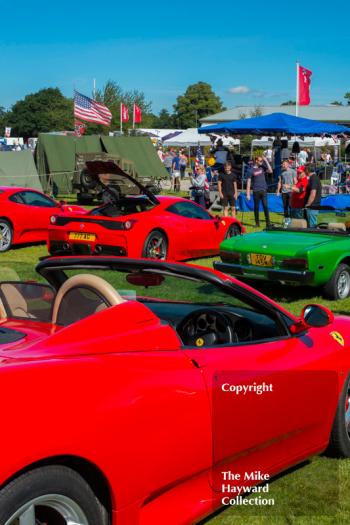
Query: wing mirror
313	315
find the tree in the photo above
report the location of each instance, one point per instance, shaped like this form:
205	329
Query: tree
347	97
46	110
197	102
3	116
289	103
112	95
336	103
164	120
256	112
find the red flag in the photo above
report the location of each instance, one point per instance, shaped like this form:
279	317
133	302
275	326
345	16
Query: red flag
304	79
79	128
124	113
137	114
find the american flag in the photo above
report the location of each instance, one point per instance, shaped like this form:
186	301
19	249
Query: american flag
88	109
200	159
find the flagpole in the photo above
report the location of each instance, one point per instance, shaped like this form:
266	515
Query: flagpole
94	88
297	93
121	119
133	117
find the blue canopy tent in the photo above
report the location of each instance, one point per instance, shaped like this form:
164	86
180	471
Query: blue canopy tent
275	123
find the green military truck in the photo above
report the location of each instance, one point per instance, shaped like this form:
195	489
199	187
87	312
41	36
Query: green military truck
61	162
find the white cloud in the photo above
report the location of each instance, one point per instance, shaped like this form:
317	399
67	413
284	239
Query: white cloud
239	90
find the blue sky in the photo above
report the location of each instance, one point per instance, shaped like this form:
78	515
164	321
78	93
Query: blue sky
160	48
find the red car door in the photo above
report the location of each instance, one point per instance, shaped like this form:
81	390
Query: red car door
273	400
31	211
203	231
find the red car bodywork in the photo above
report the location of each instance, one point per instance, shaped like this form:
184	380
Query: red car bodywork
117	395
29	222
187	237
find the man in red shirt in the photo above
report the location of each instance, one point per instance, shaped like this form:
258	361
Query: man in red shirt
299	194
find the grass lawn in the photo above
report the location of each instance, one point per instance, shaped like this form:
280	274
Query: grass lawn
317	492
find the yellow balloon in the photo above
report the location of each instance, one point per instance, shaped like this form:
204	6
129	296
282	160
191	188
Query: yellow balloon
211	161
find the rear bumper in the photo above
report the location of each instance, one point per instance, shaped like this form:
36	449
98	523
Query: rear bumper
76	248
105	242
269	274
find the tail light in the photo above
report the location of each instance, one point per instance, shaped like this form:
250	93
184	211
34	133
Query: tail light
295	262
129	224
230	256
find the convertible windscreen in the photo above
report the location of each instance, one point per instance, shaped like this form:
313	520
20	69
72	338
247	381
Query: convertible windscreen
196	309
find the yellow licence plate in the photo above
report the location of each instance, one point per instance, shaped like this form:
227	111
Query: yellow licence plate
81	236
260	259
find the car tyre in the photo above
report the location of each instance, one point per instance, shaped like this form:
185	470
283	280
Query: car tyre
339	444
156	246
87	180
6	235
338	287
50	494
233	231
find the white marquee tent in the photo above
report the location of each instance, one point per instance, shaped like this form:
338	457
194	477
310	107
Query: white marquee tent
191	137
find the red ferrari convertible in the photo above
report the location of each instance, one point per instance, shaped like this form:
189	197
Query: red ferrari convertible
133	390
25	215
135	223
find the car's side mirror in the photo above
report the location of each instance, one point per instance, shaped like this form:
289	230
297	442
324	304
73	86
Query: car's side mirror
313	315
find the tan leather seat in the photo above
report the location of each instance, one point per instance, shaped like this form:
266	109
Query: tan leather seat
337	226
105	291
16	303
297	223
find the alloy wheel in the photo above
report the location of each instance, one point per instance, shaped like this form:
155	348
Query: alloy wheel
343	284
51	509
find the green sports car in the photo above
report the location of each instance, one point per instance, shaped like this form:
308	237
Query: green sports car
294	254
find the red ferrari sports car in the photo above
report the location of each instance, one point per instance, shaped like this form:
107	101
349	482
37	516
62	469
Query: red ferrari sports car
135	387
25	215
136	223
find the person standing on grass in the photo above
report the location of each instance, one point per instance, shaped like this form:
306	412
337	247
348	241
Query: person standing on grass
313	199
183	164
227	187
286	181
168	162
200	186
256	181
299	194
176	172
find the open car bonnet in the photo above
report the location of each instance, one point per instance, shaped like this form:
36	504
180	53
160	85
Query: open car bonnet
116	181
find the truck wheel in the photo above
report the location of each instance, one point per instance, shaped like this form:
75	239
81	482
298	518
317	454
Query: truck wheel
338	287
87	180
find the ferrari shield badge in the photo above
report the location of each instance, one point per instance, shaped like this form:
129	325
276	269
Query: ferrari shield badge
199	341
337	337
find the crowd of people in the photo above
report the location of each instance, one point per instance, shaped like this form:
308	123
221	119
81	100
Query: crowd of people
298	184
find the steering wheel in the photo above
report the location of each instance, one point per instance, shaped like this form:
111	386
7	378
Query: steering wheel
206	327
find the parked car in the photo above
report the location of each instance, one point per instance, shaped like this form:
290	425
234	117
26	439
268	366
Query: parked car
134	222
124	379
25	215
295	255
